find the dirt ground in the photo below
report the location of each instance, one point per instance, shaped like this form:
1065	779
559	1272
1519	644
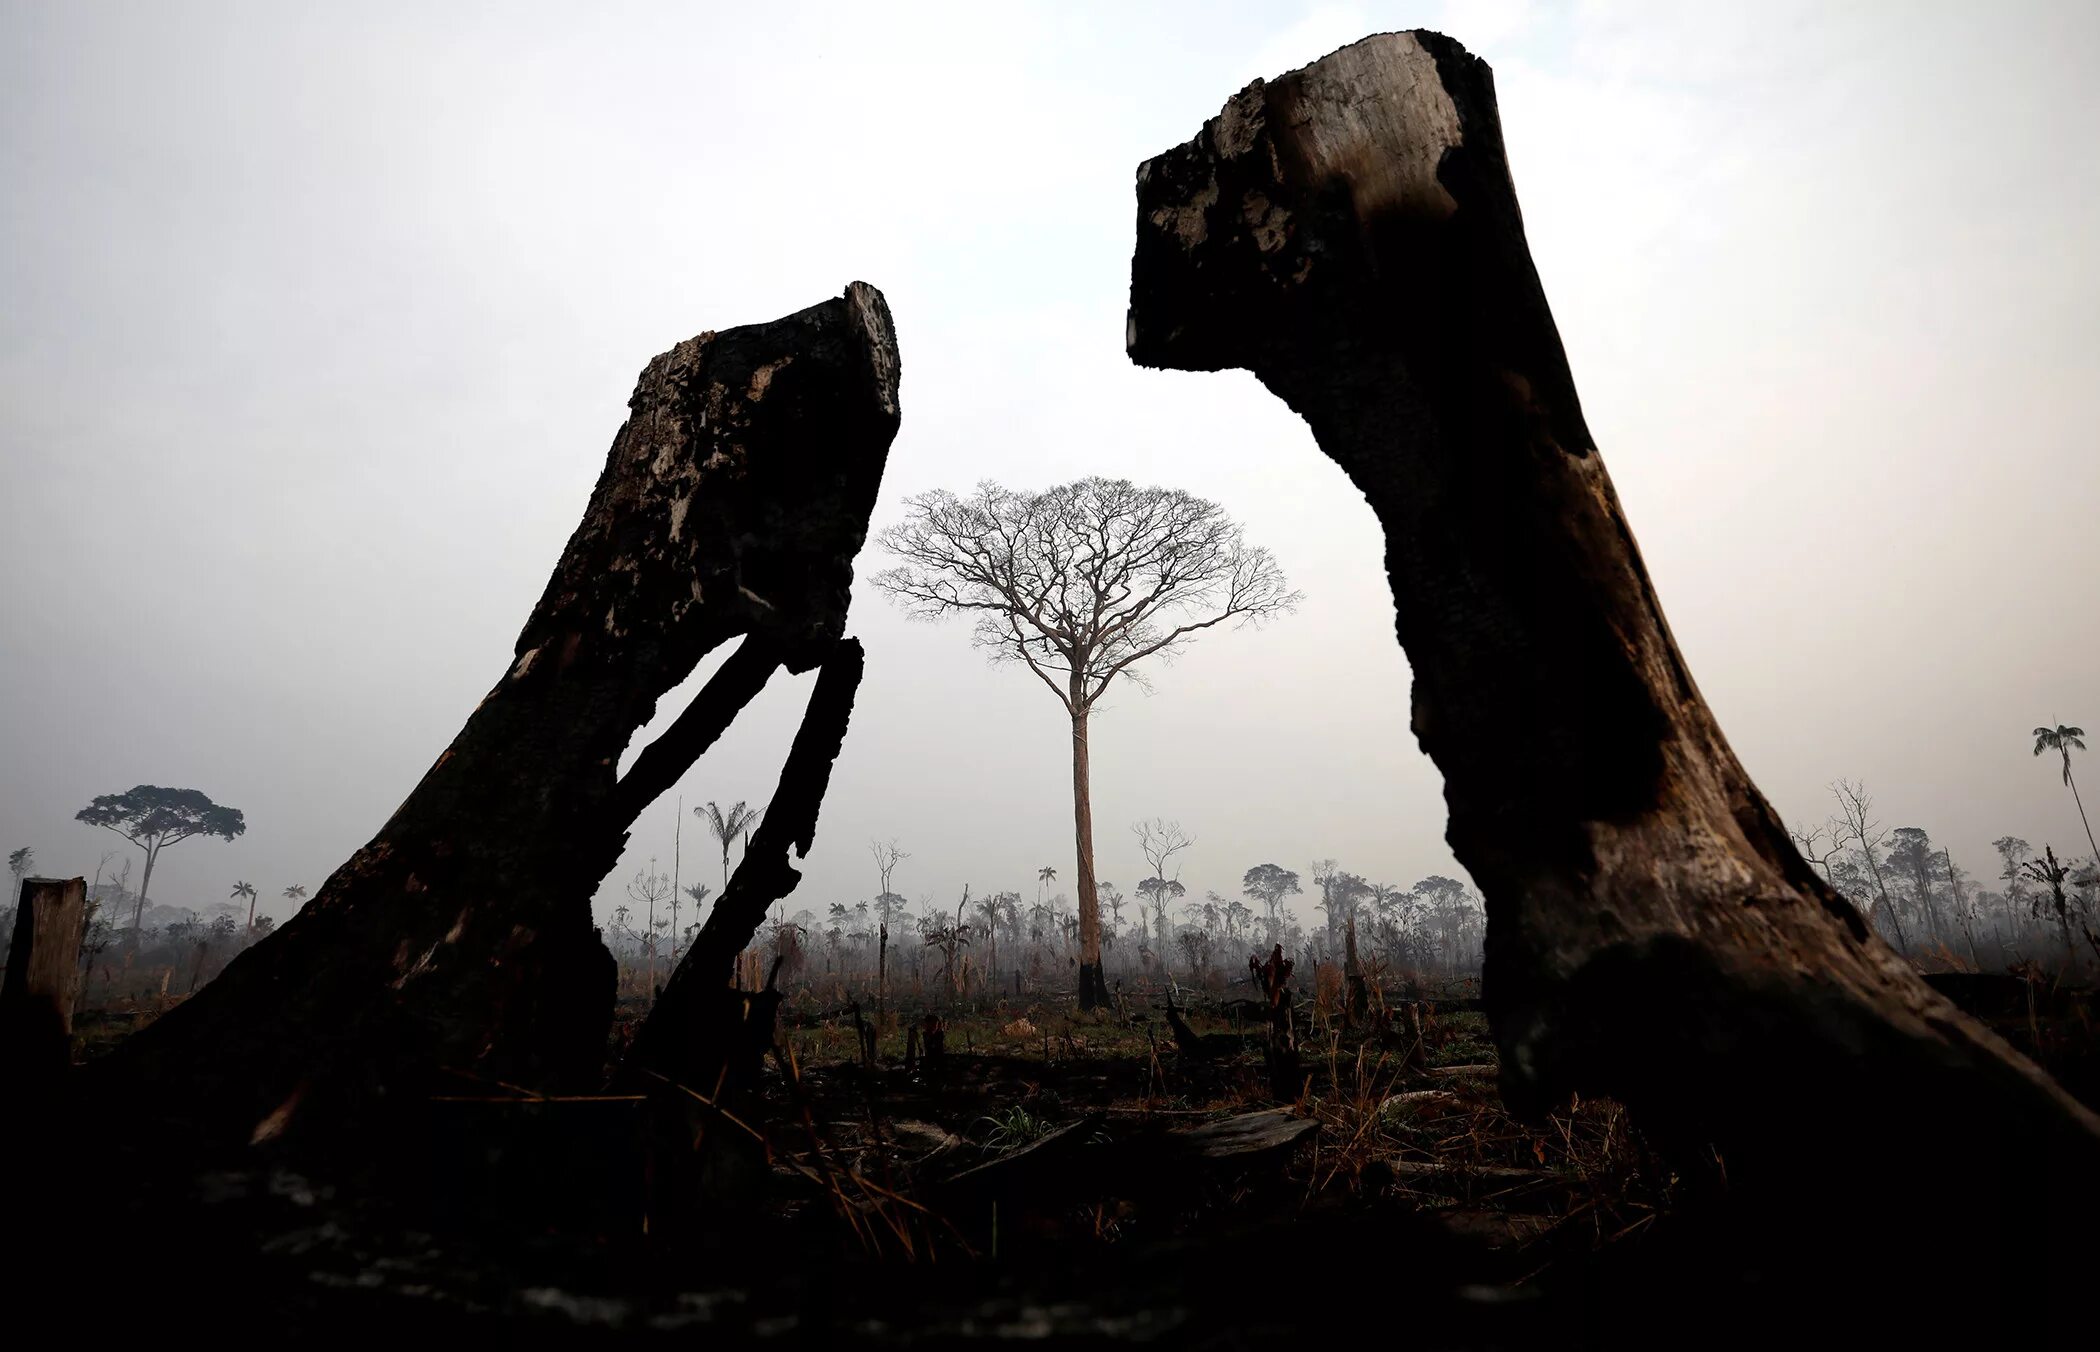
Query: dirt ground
1054	1177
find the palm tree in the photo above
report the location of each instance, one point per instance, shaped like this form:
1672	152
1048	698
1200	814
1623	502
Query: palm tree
699	892
295	894
1044	876
2051	875
725	827
2063	740
247	890
988	909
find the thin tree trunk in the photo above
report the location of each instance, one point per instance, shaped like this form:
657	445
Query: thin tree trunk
138	910
1093	986
1961	912
2073	785
677	843
1350	233
1881	890
1932	911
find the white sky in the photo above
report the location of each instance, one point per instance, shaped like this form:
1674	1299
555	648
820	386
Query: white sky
317	324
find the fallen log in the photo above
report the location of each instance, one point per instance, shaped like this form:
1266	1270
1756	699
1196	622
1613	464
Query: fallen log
1477	1071
1350	234
460	940
1246	1137
1049	1163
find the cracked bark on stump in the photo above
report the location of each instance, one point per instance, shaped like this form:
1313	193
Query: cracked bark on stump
732	504
42	984
1350	233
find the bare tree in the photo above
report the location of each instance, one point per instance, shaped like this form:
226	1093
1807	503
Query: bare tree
1818	845
887	856
1160	840
1080	583
1853	826
648	888
1961	908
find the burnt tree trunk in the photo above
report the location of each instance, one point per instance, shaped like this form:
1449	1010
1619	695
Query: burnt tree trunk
1358	1005
1349	233
1093	985
460	940
701	1027
42	983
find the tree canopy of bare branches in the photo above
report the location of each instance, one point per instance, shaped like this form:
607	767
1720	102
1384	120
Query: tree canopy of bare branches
1081	583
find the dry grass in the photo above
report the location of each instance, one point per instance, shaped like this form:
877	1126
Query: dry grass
1445	1143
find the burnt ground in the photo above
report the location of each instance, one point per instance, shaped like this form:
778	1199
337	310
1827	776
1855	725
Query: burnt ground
1049	1179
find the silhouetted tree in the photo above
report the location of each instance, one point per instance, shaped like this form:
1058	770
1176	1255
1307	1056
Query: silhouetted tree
1112	897
1080	583
1866	836
245	891
154	818
1269	884
1911	854
1449	905
2063	740
725	827
698	893
1341	892
1160	891
1160	840
2051	875
2013	853
1819	846
648	887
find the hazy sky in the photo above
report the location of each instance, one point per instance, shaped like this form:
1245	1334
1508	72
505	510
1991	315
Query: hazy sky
316	322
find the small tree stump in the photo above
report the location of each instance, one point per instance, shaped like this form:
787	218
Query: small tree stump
43	980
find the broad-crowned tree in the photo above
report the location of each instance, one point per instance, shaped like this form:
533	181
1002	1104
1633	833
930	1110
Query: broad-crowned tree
154	818
1080	584
1269	884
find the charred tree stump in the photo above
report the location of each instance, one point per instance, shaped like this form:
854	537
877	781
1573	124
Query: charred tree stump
864	1038
1350	233
687	1038
1280	1048
1358	1006
43	983
459	942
